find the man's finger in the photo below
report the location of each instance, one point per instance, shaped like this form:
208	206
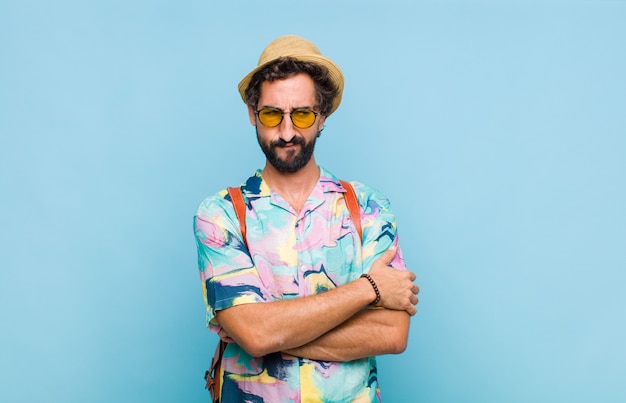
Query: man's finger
388	256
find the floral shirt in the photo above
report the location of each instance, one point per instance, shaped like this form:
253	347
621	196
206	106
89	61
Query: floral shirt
290	255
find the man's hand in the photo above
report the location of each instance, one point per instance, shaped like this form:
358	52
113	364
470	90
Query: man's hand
224	336
396	287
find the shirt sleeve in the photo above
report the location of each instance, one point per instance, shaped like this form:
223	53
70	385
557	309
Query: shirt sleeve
228	274
380	231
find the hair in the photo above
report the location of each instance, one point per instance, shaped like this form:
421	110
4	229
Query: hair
285	67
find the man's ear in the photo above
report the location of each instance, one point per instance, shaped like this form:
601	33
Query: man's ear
251	115
321	120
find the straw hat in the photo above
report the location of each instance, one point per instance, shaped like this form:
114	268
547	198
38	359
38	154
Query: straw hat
299	49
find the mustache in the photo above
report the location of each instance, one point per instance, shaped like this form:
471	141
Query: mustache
296	140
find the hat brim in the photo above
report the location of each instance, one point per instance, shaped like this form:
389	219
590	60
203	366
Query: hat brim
333	70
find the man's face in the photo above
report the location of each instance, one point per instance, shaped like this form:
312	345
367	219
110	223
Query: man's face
287	147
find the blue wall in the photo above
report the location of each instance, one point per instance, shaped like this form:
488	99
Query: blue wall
496	128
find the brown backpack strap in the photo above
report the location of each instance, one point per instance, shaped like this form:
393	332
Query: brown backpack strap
213	376
240	210
353	206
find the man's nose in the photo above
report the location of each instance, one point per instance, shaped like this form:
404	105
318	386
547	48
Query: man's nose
287	130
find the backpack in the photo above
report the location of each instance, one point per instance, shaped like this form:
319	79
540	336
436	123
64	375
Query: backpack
212	375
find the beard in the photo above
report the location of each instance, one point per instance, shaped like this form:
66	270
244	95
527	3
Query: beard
295	159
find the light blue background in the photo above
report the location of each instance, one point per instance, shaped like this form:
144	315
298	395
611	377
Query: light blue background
496	128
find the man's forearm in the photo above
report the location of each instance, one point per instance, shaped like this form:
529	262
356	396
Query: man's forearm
263	328
368	333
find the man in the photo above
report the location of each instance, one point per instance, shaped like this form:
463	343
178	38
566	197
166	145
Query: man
294	304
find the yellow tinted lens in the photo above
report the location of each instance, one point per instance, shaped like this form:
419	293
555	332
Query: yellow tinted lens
270	117
303	118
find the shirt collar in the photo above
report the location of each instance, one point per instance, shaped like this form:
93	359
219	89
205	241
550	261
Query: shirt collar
256	187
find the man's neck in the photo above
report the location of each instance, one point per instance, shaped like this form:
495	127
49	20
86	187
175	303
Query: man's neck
294	187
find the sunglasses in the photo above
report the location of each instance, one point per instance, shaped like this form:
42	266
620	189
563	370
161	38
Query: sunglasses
302	118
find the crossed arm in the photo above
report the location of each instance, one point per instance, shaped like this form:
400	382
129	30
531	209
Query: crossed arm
331	326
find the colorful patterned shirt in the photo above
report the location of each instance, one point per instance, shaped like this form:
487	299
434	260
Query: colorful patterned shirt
290	255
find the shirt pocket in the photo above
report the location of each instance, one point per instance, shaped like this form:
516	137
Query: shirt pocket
340	250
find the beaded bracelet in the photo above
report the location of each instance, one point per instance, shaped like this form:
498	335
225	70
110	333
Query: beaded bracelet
371	280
